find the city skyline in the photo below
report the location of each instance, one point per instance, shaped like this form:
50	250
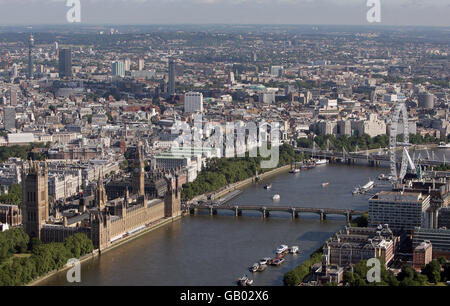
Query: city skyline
293	12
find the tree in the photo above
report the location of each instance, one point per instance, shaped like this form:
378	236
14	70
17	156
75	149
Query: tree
291	278
14	195
349	278
432	271
34	243
362	221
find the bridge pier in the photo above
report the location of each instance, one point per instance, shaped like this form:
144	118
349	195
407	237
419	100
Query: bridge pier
294	214
348	217
265	213
192	211
323	216
237	211
212	211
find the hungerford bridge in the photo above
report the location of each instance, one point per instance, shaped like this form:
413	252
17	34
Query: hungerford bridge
373	157
265	211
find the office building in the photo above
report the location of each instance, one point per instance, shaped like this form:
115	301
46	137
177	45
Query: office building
444	217
9	118
56	49
328	103
30	56
372	127
118	69
12	97
352	244
439	239
426	100
172	76
141	64
403	211
193	102
14	71
127	64
423	254
231	80
65	63
276	71
267	97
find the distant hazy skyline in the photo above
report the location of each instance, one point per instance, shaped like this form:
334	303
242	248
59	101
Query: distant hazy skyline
339	12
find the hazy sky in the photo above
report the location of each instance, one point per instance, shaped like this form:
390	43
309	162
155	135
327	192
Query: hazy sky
393	12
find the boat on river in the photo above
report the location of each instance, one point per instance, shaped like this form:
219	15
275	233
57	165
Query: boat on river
278	262
308	166
244	281
282	249
321	162
262	268
294	250
265	261
254	268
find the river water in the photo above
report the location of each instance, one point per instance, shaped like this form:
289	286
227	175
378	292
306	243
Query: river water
203	250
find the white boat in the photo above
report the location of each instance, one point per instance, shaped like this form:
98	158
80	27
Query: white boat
357	190
293	249
325	184
244	281
282	249
261	268
276	197
265	261
367	186
254	268
321	162
443	145
294	170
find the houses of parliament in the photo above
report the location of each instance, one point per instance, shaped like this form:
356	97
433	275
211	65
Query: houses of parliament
104	221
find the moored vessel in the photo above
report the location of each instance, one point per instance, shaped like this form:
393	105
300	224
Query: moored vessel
265	261
321	162
254	268
282	249
294	249
244	281
278	261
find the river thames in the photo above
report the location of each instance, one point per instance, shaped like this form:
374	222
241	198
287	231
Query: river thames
203	250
